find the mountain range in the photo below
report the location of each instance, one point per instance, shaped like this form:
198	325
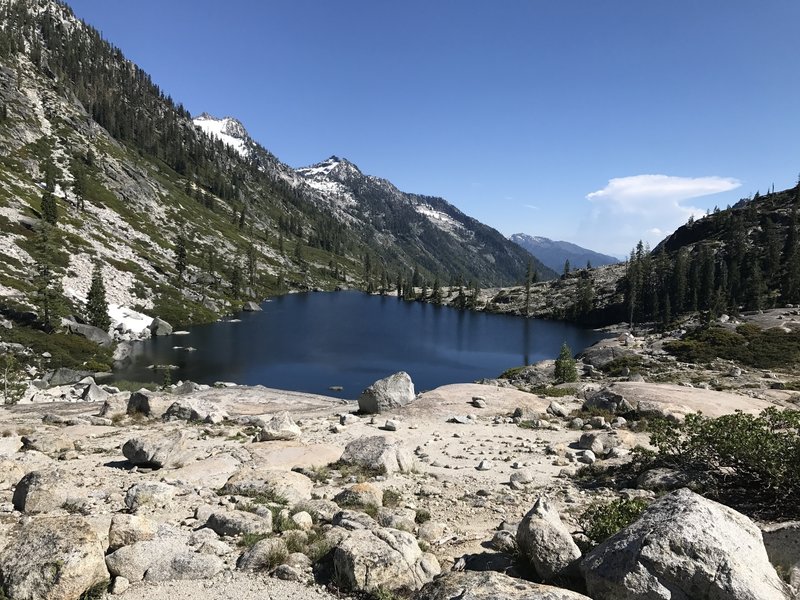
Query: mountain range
137	181
554	254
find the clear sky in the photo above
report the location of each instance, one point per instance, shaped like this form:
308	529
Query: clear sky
597	122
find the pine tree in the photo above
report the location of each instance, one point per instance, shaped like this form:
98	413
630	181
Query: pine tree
565	369
236	278
437	292
528	281
566	268
49	208
48	293
180	256
79	186
252	264
12	377
96	304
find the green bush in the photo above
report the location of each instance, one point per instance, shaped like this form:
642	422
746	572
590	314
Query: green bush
616	367
603	519
748	345
742	458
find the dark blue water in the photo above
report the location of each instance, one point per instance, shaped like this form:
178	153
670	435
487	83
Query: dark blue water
309	342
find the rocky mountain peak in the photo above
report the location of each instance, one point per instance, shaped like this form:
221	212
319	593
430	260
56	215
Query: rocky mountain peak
227	129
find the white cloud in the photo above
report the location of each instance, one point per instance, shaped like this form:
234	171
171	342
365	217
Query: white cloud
646	207
641	193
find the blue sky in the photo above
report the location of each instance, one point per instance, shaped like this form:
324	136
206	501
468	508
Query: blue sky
600	123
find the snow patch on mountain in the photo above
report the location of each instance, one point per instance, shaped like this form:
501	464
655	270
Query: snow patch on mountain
228	130
439	219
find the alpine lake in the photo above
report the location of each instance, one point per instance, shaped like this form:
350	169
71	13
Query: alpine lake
338	343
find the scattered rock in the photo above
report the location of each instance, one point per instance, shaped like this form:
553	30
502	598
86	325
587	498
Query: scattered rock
91	333
237	522
150	494
360	494
387	394
148	404
601	443
160	327
544	542
262	554
663	480
128	529
608	400
93	393
378	452
280	427
557	410
156	451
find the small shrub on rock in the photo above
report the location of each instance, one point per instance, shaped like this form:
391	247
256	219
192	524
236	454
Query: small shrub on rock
603	519
423	516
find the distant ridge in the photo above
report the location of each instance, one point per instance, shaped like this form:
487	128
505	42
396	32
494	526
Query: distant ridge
554	254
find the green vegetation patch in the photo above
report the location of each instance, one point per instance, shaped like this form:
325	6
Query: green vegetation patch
747	345
747	461
67	350
603	519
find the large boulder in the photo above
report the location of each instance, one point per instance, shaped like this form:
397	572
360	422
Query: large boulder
282	485
52	558
378	453
489	585
148	403
149	494
237	522
684	547
545	543
65	376
599	442
262	555
603	352
608	400
387	394
160	327
156	451
251	307
41	491
94	393
390	559
162	559
192	409
279	427
91	333
128	529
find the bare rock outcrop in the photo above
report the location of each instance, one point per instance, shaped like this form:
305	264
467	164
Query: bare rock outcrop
489	585
683	547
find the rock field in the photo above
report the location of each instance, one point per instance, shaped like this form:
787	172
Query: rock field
465	491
